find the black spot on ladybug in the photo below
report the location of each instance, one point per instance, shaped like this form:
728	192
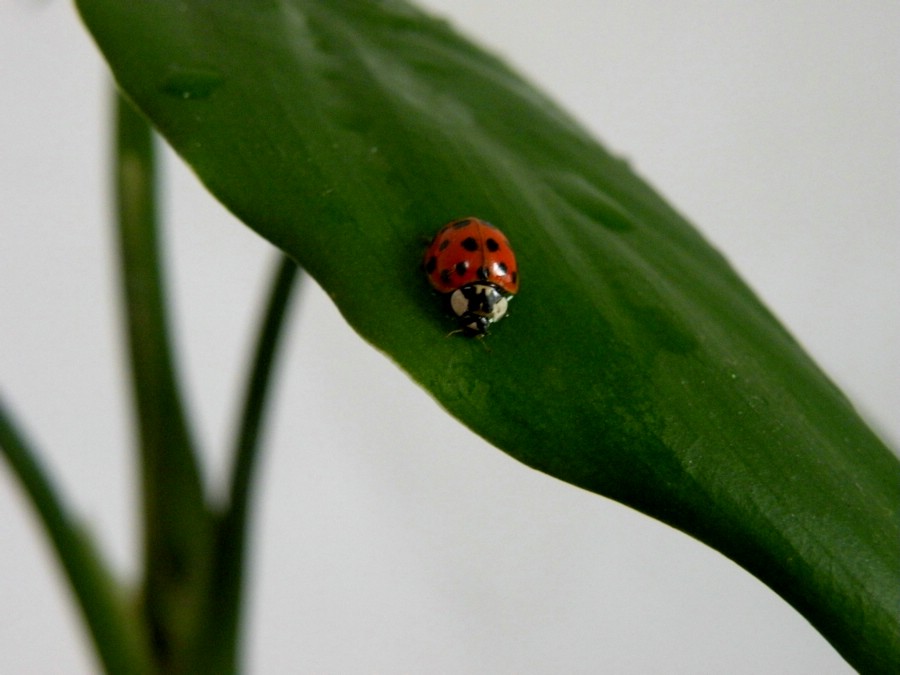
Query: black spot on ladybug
484	273
431	265
515	276
500	268
445	277
470	244
444	244
492	245
461	267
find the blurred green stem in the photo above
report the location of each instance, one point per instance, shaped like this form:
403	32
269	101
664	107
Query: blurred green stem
177	524
232	535
114	633
194	557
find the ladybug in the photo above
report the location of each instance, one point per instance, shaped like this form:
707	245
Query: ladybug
470	261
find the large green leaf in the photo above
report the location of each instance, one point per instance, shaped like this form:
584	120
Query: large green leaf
635	363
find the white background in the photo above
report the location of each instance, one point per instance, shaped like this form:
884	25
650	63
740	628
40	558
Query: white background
389	539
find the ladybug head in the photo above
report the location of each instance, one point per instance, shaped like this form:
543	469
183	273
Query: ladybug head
477	306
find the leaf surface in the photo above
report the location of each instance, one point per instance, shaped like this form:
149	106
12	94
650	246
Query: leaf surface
634	362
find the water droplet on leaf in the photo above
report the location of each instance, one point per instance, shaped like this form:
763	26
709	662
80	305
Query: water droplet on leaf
192	83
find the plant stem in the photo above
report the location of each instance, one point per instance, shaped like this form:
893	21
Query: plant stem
114	633
177	523
227	586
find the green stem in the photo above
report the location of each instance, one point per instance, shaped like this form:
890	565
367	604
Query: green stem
227	586
177	523
114	633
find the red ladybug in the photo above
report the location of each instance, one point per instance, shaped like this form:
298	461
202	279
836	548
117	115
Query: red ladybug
470	261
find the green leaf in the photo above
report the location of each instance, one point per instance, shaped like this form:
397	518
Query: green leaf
634	363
